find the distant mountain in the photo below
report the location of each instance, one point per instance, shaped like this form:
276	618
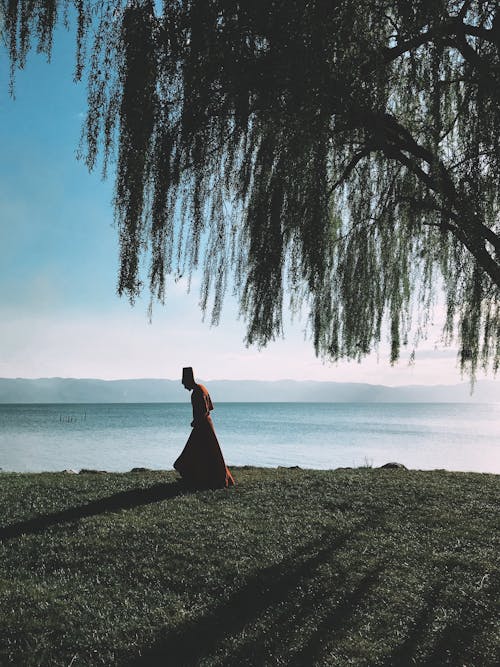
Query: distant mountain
87	390
69	390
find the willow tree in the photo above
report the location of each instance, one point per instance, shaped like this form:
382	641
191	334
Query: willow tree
343	155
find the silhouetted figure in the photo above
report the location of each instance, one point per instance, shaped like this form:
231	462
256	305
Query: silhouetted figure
201	463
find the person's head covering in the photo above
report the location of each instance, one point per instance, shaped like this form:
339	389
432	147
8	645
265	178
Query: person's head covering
187	376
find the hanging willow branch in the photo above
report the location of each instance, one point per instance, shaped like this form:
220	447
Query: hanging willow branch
346	154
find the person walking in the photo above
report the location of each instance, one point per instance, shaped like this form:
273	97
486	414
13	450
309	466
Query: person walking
201	463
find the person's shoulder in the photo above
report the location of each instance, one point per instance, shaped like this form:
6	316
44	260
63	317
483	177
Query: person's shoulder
201	388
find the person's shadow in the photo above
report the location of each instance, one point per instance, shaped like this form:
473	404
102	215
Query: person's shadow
119	501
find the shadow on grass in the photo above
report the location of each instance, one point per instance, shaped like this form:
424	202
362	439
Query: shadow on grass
118	501
279	617
455	643
335	623
452	645
405	653
274	598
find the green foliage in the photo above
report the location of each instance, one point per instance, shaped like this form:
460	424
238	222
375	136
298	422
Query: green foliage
344	155
346	567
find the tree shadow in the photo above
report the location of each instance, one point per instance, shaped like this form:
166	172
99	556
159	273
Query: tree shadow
334	624
266	590
405	653
455	644
452	645
118	501
321	620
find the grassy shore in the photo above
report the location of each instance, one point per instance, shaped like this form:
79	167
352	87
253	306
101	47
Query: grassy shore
290	567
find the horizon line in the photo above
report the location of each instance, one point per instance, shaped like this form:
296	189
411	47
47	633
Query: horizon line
284	379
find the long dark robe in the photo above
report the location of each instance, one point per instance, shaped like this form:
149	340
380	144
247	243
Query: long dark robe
201	463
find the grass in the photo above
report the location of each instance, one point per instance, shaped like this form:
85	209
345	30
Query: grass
291	567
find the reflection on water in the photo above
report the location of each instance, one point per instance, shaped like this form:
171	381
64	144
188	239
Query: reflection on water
117	437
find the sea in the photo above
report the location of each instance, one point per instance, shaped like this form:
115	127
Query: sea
121	436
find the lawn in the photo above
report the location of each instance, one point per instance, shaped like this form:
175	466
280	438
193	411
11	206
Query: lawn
291	567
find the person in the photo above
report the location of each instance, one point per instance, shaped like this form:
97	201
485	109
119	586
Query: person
201	463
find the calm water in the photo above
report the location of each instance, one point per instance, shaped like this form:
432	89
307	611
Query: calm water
117	437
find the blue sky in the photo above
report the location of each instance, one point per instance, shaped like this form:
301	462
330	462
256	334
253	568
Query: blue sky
59	312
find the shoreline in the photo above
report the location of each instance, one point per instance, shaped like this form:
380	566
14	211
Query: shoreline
391	466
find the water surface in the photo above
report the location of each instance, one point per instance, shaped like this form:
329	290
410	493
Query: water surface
120	436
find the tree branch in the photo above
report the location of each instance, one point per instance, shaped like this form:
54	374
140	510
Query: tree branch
351	166
396	154
464	9
446	32
473	58
470	231
429	204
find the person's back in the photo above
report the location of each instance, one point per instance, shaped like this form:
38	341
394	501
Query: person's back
201	402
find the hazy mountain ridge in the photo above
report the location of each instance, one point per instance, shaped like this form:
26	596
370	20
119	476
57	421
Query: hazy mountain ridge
86	390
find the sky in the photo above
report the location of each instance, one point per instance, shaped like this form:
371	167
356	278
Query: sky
60	315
